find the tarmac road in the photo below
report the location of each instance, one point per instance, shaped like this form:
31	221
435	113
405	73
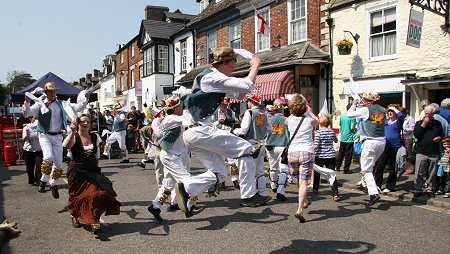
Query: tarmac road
347	226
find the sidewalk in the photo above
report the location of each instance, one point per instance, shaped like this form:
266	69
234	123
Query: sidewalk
404	189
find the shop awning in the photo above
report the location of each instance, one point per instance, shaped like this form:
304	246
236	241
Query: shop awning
274	85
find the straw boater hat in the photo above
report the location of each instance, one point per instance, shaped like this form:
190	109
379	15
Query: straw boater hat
172	102
50	86
223	54
371	96
255	98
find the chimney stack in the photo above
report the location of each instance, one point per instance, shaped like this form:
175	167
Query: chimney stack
155	12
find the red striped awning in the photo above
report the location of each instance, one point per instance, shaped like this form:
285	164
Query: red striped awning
274	85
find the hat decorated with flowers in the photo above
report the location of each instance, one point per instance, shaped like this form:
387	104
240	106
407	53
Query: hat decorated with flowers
172	102
256	98
226	101
371	96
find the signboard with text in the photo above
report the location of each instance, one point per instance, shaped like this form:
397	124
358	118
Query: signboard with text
138	87
414	28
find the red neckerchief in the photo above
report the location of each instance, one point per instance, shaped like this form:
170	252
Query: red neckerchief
50	103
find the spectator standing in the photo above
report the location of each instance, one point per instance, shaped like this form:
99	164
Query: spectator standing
109	119
32	151
392	128
347	130
444	110
428	133
408	128
443	187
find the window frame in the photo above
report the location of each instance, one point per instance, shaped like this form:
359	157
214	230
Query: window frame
149	61
183	55
132	77
259	34
231	25
208	51
369	36
291	22
161	59
132	50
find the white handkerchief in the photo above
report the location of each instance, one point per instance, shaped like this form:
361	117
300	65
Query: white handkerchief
243	54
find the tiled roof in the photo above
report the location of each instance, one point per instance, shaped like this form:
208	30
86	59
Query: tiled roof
161	29
301	51
213	8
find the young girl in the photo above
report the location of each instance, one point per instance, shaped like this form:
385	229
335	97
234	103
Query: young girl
444	162
325	154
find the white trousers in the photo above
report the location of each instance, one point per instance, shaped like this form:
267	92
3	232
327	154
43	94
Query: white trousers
371	151
211	146
176	168
259	173
118	136
274	166
52	151
159	167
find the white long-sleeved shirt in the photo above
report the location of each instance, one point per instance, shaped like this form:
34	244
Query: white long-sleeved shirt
408	127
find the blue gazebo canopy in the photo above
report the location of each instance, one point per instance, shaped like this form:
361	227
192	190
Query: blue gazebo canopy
65	90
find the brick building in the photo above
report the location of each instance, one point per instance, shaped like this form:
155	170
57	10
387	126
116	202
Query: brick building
292	60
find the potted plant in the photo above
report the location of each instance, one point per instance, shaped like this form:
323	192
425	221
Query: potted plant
344	47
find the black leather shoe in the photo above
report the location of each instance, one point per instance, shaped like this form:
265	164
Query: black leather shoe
373	199
194	210
125	161
55	192
236	184
102	156
347	172
41	187
182	197
417	194
431	194
274	190
281	197
140	164
222	186
95	228
255	201
174	207
156	213
75	222
150	161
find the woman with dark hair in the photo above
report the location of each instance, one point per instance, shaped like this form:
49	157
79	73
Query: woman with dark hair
301	149
90	192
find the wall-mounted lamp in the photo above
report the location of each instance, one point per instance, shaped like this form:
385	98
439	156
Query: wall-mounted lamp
355	37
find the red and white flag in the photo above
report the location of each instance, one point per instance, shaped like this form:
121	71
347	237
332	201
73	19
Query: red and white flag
263	26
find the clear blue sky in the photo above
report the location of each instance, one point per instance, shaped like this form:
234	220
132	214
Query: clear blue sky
69	37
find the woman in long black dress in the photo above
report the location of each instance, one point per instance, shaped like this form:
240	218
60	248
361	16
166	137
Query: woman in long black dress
90	192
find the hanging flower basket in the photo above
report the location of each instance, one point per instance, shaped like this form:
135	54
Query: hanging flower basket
344	47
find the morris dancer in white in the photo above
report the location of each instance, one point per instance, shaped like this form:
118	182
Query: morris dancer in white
254	128
119	132
211	144
276	141
174	156
52	122
372	135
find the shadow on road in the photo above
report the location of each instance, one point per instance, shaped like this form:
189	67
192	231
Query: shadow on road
267	216
306	246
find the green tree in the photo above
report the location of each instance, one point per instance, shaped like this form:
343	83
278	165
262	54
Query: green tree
17	80
3	95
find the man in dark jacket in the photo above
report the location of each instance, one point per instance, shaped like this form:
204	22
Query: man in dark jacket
428	133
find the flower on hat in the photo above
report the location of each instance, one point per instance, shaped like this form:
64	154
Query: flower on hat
255	97
371	96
